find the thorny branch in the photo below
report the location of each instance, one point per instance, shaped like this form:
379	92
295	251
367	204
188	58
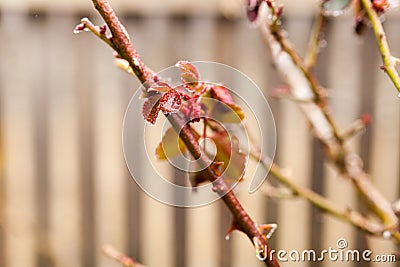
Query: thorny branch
305	87
120	42
351	216
389	62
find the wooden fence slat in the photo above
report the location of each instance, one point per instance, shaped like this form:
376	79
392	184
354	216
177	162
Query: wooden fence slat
85	82
64	180
108	159
20	223
156	218
202	223
343	81
41	128
294	142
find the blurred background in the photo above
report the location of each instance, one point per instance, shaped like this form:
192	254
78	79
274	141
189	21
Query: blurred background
64	187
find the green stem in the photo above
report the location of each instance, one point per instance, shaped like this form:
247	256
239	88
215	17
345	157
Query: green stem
389	63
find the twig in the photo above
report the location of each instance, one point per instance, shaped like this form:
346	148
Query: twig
87	24
314	45
121	42
303	84
277	192
389	62
123	46
126	261
353	217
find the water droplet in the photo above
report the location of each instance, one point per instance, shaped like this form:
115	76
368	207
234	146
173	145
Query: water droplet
386	234
322	43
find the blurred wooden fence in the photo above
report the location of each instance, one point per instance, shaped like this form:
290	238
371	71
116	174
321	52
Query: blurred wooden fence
65	190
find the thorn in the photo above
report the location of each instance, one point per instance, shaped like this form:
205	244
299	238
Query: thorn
366	119
358	126
234	226
267	229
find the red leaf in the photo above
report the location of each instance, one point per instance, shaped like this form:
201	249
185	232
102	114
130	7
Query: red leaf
221	93
160	87
189	75
151	108
171	101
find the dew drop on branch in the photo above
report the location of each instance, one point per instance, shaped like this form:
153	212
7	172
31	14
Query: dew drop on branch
322	44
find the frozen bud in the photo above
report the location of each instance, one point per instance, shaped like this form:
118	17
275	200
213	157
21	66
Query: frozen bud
103	29
79	28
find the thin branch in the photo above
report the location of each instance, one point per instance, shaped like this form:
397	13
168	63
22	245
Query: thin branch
121	42
353	217
304	84
123	46
389	62
124	260
100	33
277	192
317	35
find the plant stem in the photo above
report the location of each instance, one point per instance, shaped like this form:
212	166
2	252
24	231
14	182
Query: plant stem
353	217
389	62
314	45
304	84
123	46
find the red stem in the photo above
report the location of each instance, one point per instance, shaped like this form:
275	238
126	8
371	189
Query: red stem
125	49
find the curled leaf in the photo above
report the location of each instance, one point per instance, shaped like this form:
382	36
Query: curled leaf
170	101
170	146
151	108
